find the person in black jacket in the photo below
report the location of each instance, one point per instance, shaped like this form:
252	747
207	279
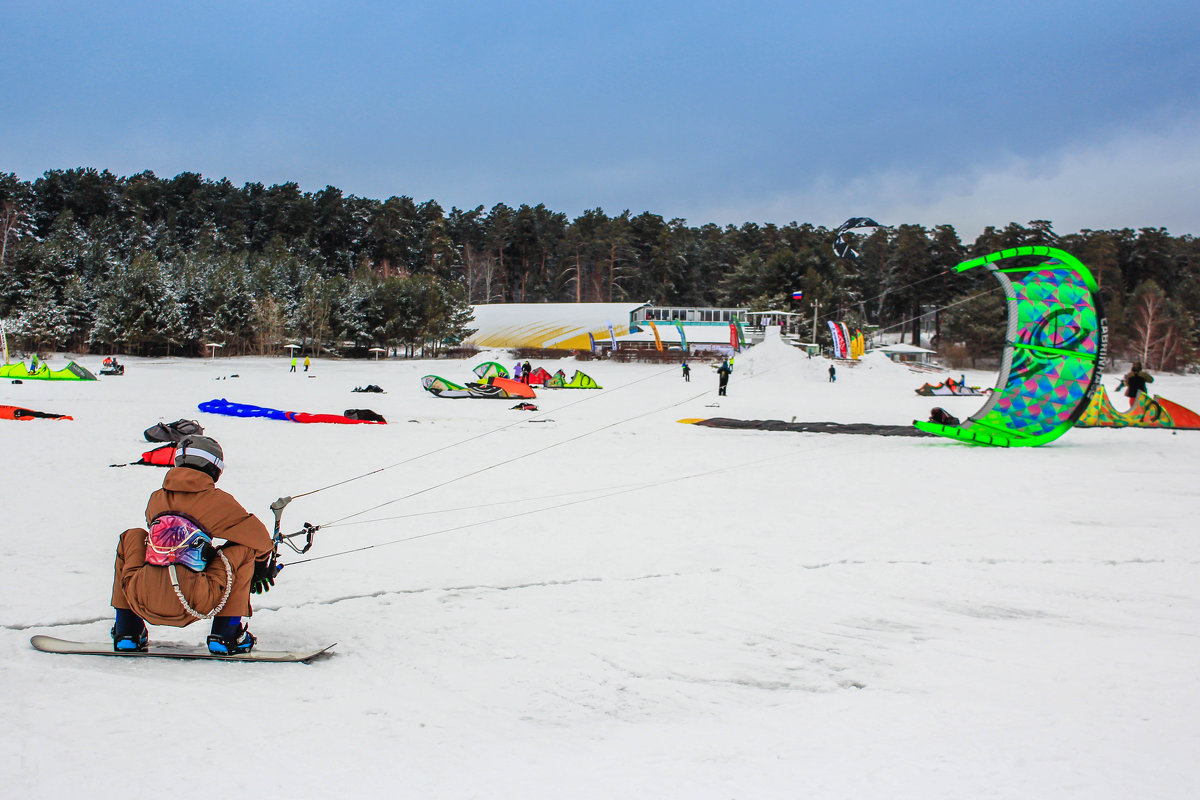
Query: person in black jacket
723	376
1135	381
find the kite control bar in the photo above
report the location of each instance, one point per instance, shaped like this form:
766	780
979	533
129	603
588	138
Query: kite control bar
286	538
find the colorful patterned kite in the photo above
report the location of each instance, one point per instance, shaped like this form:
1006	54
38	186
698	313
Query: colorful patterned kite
1053	351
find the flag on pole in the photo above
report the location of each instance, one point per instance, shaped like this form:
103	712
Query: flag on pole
682	338
657	339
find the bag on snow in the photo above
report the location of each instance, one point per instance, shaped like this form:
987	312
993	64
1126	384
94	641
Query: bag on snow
363	414
173	431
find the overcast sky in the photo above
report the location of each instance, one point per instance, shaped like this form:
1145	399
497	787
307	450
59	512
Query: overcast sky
1083	113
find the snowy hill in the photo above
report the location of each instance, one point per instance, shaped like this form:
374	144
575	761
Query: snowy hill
595	601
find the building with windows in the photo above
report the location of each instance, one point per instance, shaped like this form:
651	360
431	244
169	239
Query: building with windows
582	326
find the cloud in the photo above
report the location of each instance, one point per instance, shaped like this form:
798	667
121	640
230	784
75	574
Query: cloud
1132	179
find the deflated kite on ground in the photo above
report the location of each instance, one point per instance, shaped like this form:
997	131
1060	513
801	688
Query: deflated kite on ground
950	388
495	388
223	406
579	380
440	387
861	428
71	372
1147	412
24	414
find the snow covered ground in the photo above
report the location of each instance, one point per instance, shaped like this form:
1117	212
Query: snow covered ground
594	601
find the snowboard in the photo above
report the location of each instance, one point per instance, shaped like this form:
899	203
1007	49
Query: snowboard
50	644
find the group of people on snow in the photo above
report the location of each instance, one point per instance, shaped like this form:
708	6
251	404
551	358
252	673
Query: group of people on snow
523	372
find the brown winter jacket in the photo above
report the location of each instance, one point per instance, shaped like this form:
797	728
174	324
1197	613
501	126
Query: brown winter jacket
147	590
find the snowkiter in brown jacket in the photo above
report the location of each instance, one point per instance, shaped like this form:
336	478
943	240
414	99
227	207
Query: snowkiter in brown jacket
174	573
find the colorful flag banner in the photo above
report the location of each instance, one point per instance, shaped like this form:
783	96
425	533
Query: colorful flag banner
682	338
839	340
657	338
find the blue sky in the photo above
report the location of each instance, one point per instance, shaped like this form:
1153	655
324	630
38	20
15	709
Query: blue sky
1084	113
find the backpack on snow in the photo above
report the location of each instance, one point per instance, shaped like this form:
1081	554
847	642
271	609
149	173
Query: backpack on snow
173	431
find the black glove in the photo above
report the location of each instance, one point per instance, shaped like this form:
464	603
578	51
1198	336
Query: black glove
264	575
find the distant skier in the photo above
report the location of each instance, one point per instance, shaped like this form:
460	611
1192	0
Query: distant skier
173	575
723	376
687	372
293	364
306	363
832	374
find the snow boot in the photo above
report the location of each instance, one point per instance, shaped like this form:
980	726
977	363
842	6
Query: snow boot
129	632
230	637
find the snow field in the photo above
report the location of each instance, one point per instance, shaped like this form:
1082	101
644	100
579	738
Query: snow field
608	603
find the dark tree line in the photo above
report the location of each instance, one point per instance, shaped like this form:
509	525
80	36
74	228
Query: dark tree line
146	264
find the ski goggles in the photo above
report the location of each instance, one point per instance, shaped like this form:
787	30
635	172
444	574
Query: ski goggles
175	539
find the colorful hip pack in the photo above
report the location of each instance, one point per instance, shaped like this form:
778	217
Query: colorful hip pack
175	539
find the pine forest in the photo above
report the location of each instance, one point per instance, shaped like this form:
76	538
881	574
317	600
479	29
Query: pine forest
154	266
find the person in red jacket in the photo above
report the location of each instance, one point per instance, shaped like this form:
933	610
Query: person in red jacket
176	572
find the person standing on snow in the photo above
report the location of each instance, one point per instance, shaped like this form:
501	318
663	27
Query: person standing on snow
687	372
832	374
293	364
306	363
526	372
174	575
1135	381
723	377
